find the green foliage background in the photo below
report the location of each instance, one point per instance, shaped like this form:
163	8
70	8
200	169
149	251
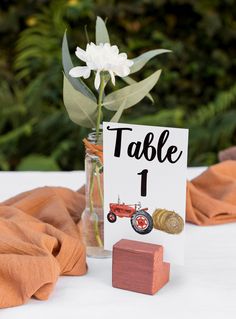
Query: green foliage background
197	88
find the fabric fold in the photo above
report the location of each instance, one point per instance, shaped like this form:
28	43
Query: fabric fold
211	197
39	241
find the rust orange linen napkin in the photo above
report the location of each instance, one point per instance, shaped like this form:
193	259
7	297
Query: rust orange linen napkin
211	197
39	240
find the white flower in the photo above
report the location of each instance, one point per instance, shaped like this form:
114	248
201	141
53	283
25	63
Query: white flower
102	57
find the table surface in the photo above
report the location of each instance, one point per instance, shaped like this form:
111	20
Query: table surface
204	288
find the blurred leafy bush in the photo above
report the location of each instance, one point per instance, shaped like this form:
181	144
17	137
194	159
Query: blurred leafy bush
197	88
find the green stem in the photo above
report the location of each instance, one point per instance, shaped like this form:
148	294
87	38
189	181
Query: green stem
91	206
94	165
91	188
98	175
100	97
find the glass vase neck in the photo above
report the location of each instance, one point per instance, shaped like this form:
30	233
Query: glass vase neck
92	137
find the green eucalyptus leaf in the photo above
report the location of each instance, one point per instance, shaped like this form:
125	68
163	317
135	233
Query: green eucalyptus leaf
141	60
102	35
81	109
129	80
118	113
77	83
131	94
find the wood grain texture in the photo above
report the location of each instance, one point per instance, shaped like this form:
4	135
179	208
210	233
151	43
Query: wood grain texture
139	267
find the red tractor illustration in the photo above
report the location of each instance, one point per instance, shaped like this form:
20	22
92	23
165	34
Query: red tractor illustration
140	220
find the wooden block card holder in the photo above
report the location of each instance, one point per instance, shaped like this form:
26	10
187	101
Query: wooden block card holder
139	267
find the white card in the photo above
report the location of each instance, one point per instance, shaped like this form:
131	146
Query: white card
144	169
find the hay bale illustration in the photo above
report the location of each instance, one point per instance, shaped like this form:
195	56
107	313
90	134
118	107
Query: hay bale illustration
167	221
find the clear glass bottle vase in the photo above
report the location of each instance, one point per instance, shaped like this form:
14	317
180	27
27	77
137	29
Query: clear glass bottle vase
93	215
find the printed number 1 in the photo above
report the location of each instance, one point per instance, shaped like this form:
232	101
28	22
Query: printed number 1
143	182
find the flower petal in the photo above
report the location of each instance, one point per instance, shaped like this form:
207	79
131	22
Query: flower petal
86	72
122	70
126	70
101	58
114	49
113	80
123	56
93	45
129	63
80	71
81	54
97	80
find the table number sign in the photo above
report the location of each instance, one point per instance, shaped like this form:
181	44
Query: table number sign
145	186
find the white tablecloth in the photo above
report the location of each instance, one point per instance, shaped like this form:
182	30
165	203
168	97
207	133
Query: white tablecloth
204	288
